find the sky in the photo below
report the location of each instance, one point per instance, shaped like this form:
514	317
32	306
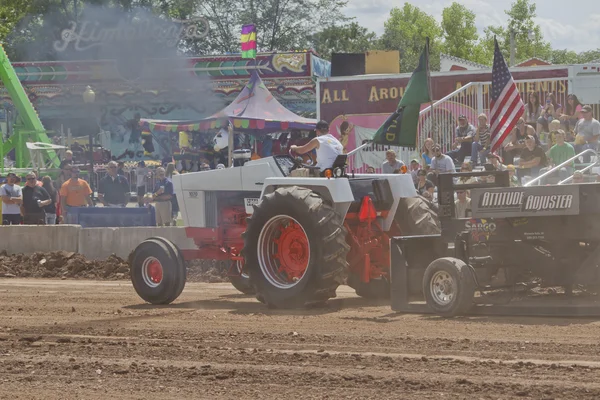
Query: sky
573	25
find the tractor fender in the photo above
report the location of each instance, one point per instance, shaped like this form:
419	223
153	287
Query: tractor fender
336	191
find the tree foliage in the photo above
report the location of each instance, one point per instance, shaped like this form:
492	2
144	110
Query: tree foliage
459	31
28	28
282	25
350	38
406	30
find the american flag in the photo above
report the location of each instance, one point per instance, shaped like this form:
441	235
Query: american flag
506	104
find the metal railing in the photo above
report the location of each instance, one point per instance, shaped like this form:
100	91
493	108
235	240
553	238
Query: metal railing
592	165
131	177
565	163
582	170
439	120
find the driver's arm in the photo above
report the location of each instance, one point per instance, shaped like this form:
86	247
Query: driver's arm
313	144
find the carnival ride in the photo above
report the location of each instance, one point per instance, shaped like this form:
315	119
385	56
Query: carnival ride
25	135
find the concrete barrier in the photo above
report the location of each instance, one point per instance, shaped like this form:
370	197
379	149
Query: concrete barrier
125	240
93	243
32	238
98	243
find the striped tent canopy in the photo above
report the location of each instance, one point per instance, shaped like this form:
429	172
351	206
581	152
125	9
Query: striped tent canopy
254	109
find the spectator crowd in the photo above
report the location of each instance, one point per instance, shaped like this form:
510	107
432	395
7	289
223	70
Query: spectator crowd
547	136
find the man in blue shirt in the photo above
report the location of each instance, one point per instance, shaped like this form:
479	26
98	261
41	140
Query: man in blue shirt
163	192
113	189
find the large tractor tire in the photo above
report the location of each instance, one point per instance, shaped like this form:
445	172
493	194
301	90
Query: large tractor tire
417	216
157	270
449	287
295	249
241	281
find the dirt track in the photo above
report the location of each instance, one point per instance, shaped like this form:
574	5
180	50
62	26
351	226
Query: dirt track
63	339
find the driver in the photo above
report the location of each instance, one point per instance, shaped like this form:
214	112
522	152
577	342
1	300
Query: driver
326	146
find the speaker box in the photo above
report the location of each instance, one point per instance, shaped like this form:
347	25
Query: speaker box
347	64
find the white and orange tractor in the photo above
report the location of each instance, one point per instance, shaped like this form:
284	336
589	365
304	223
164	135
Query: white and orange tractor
293	233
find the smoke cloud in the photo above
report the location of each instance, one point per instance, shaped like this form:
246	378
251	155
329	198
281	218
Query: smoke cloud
146	49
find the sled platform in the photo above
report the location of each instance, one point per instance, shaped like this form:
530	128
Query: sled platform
405	300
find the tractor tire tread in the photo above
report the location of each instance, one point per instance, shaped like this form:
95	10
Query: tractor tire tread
330	267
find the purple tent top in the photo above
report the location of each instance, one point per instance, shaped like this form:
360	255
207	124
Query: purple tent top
256	108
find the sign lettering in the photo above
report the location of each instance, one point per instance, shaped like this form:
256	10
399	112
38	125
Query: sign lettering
249	203
90	34
534	201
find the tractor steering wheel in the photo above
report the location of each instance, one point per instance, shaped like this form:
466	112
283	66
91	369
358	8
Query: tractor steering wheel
299	162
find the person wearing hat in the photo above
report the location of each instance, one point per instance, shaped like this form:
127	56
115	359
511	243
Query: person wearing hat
35	198
12	199
463	140
441	163
496	161
588	131
74	193
326	145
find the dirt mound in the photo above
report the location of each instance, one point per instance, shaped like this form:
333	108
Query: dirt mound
62	264
211	271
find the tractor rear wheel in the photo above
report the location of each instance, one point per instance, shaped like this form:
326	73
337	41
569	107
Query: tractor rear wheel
158	272
417	216
240	280
449	287
295	249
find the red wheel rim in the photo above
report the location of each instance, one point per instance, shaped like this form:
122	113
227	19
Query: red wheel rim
283	251
152	272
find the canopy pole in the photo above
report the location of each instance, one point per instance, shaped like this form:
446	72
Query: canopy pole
230	143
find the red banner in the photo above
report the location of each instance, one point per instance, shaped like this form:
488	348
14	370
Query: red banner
376	96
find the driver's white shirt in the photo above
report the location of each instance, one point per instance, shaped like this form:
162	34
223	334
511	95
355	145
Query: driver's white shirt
329	149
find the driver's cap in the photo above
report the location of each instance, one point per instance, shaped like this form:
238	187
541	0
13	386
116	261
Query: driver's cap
322	125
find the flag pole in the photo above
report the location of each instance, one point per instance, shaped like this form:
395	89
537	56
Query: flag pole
431	107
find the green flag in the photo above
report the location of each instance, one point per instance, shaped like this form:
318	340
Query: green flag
400	129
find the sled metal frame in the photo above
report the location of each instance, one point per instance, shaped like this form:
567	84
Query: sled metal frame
401	301
400	272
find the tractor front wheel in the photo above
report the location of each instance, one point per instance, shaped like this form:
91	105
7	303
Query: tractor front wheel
295	249
240	279
157	270
449	287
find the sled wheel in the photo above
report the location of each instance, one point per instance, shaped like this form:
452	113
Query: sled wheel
449	287
295	249
376	288
240	279
158	271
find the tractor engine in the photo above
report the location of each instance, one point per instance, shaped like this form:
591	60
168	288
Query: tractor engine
232	224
